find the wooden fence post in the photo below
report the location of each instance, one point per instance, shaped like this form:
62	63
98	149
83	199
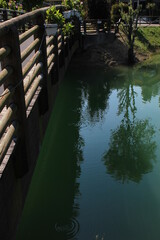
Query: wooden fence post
66	46
14	14
16	81
84	25
5	15
78	31
43	98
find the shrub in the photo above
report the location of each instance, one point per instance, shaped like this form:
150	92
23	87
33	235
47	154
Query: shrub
54	16
3	4
115	11
68	29
80	5
12	4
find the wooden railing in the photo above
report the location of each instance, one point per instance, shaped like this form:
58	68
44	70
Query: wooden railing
147	20
6	14
27	60
94	26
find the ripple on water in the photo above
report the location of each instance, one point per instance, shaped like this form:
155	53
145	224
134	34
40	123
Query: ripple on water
69	228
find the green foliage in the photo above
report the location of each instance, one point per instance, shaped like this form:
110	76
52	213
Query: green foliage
3	4
12	4
15	5
35	7
131	151
69	4
151	7
147	39
54	16
68	29
29	4
116	9
79	5
129	27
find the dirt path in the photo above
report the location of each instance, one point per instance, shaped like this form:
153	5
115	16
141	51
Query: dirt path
113	51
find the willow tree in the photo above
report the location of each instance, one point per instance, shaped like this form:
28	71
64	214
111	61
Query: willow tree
129	26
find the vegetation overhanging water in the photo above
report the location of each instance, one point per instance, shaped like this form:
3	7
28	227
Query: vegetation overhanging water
98	173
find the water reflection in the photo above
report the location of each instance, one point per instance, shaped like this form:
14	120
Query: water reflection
96	92
147	76
51	202
131	151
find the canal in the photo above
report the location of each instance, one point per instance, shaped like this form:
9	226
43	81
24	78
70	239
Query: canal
98	173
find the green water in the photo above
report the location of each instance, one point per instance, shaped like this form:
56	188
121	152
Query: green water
98	173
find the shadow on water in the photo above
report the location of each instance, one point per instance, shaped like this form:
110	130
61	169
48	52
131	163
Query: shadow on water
51	210
131	151
97	95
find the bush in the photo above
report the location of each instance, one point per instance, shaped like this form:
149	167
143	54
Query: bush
3	4
79	5
54	16
69	4
115	11
68	29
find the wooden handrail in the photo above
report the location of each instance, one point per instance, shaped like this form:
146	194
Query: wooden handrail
59	39
20	88
33	89
24	36
31	63
31	78
21	20
4	52
6	141
11	10
50	50
30	49
50	60
59	45
5	73
49	40
4	122
6	95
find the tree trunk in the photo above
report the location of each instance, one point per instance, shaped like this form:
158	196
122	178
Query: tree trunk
131	57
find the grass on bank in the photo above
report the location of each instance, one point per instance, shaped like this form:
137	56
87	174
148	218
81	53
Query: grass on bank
148	40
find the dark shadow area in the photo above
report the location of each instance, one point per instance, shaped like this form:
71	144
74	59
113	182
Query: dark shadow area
102	50
51	209
96	93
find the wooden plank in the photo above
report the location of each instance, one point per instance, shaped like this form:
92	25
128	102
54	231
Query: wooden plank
29	49
6	119
4	52
5	73
24	36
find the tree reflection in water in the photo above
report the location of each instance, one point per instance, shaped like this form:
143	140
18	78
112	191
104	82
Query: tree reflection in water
96	92
132	149
147	76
